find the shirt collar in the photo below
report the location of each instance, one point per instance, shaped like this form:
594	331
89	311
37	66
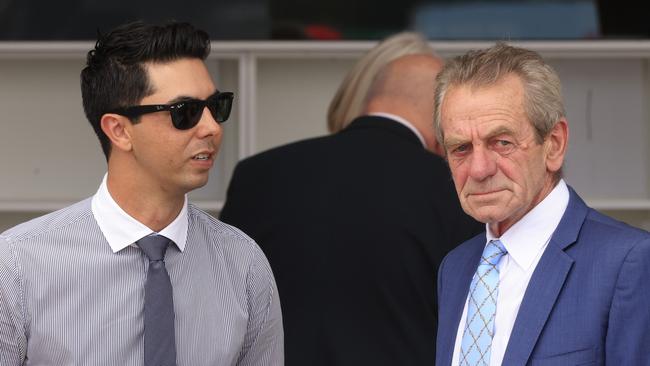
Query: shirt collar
402	121
121	229
531	233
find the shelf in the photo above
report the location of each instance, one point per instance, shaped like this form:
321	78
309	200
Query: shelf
283	88
632	205
592	49
216	205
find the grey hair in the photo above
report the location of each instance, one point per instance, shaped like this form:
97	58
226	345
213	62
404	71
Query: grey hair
542	89
350	99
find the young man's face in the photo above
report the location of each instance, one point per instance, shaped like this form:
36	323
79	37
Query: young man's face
168	159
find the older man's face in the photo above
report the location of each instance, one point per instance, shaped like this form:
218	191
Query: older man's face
500	170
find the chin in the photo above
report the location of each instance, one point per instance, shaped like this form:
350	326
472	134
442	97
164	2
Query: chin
486	215
193	184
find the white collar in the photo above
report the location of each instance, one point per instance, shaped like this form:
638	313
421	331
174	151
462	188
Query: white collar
531	233
402	121
121	229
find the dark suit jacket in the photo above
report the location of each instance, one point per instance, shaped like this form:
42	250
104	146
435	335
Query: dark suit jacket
354	226
587	303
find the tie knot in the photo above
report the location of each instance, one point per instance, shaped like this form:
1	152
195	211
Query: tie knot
493	252
154	246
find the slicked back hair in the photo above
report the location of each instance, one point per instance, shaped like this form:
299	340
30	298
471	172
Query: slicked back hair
115	74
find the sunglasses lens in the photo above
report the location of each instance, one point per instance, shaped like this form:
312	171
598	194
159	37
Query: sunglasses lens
220	106
187	114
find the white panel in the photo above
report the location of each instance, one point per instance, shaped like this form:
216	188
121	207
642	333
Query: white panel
50	156
293	96
608	149
49	150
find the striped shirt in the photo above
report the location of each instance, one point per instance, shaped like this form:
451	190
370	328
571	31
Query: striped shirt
66	298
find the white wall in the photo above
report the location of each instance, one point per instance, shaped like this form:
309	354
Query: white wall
50	157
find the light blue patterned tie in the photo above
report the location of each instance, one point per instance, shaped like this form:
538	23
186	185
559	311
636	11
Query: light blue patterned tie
481	309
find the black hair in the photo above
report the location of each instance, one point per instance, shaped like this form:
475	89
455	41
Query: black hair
115	75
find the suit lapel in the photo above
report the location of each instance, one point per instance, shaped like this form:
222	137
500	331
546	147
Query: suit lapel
458	280
545	284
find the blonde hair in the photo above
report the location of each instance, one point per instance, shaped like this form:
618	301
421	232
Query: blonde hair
350	99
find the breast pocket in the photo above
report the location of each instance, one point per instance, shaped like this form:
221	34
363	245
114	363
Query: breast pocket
584	357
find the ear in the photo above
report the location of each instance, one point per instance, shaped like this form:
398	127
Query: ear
555	145
116	127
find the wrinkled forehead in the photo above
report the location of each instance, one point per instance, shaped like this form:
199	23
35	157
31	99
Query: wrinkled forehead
497	107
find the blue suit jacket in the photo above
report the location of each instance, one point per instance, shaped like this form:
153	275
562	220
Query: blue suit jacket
587	303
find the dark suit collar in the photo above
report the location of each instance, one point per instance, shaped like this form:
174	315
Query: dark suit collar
386	124
545	284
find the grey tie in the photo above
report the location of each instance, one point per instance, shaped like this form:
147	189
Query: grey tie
159	342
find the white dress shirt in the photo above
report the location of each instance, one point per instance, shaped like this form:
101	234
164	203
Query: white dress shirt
72	290
402	121
525	242
121	229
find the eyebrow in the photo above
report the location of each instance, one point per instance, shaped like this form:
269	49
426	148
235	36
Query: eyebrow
454	142
500	130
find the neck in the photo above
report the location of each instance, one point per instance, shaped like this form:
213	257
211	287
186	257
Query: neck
421	121
150	205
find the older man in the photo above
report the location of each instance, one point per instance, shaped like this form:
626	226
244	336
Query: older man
551	282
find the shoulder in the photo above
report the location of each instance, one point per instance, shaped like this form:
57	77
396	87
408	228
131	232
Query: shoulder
234	248
612	244
465	250
59	220
26	240
226	239
605	243
599	228
283	151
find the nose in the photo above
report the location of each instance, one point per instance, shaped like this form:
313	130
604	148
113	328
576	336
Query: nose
482	164
207	125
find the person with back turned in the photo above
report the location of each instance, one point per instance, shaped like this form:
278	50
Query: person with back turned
355	224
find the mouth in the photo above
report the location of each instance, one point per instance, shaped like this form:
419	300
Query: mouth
485	193
202	156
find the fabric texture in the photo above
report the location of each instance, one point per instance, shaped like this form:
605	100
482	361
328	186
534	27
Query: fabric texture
587	302
354	225
526	240
484	290
67	299
159	342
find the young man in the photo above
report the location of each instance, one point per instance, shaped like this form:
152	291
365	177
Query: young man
135	275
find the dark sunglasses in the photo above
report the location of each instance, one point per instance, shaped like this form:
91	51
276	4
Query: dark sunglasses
187	113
